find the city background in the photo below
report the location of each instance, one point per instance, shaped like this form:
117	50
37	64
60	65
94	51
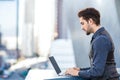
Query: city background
33	30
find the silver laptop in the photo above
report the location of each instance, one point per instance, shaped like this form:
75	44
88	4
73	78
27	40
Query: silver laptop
61	74
56	67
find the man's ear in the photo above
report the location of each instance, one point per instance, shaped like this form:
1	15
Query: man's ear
91	21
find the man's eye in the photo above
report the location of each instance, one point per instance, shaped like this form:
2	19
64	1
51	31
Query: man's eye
82	23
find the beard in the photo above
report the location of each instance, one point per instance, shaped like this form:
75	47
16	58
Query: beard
88	33
89	30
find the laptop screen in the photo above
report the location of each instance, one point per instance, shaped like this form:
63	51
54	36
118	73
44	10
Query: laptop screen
55	65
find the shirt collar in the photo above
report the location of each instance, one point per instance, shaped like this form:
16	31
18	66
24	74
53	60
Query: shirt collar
98	32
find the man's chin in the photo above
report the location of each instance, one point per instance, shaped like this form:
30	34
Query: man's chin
87	33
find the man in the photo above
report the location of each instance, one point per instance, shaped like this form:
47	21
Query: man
101	55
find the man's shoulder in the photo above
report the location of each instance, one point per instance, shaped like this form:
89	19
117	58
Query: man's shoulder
101	38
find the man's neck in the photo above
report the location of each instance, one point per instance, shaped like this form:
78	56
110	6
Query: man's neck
96	28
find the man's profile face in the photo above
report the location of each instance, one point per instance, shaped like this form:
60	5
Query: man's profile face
85	26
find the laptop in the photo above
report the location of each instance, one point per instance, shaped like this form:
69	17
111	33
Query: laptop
56	67
61	75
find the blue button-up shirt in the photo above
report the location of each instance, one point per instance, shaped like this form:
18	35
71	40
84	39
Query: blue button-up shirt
101	45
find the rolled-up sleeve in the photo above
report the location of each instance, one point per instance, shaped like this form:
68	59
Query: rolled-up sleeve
101	47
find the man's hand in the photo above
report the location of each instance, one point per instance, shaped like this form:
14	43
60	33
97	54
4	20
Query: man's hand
72	71
76	68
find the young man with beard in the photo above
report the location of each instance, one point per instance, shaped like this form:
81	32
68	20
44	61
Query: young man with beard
103	66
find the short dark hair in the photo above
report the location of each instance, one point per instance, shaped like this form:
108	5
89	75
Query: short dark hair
90	13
